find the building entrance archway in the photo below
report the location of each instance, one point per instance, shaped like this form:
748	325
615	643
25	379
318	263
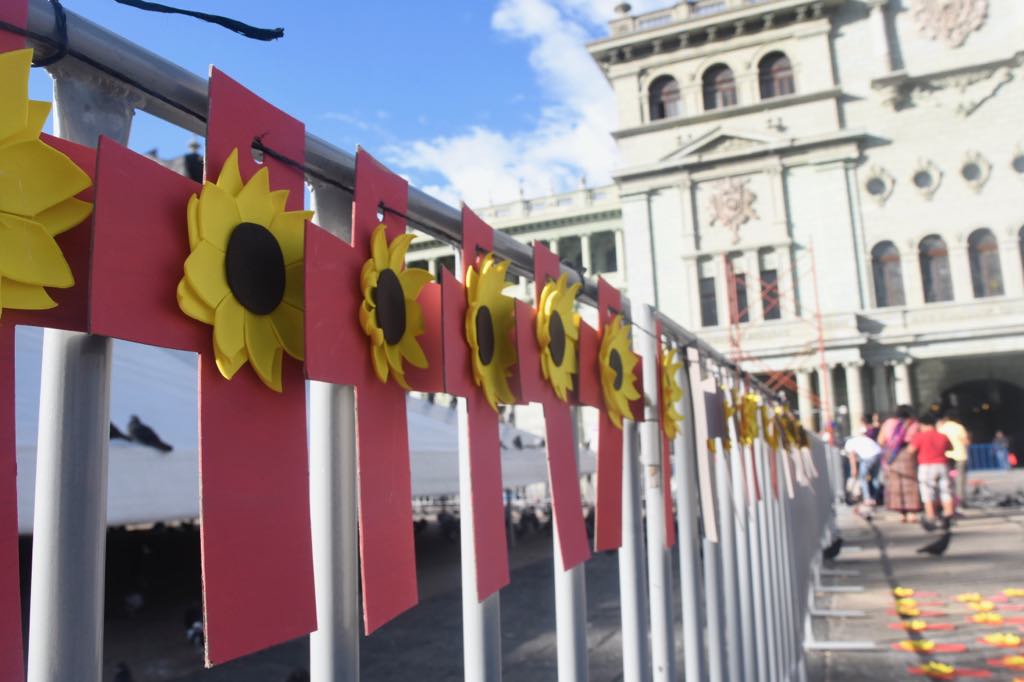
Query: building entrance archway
988	405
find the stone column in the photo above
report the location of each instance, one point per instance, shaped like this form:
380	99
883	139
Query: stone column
585	254
880	388
901	382
827	395
803	397
620	253
854	394
880	36
960	272
1010	265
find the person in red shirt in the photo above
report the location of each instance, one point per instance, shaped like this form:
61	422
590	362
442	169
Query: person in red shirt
930	446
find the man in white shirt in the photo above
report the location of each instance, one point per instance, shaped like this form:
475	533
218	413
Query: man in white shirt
961	440
864	455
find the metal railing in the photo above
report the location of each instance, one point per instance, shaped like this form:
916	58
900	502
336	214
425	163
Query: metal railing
988	456
744	591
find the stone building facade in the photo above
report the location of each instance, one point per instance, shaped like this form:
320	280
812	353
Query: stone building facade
842	171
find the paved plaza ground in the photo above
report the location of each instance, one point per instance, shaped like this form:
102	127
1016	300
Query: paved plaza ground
984	556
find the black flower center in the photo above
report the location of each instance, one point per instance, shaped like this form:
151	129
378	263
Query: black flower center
389	304
556	330
615	362
485	335
254	266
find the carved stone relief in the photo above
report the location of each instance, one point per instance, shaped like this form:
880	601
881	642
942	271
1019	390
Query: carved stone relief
732	205
975	170
950	21
879	184
926	178
965	91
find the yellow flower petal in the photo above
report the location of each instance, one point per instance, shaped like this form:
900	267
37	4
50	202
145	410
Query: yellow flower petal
218	216
294	280
206	274
37	113
35	176
397	250
14	70
192	305
229	366
230	179
229	327
30	255
380	362
412	351
379	247
255	204
264	349
288	324
16	295
290	230
413	280
193	221
65	215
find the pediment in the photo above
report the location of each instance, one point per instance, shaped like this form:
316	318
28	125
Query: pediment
720	141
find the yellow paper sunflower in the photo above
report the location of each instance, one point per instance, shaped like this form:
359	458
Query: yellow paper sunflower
490	318
558	334
617	362
917	645
987	618
908	611
916	625
984	605
967	597
671	392
1012	661
902	592
37	189
244	273
1002	639
938	671
1013	592
390	314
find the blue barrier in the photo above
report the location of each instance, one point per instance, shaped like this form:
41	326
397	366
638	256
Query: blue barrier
987	456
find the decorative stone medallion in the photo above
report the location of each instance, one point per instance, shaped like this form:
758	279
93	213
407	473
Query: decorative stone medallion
950	21
732	205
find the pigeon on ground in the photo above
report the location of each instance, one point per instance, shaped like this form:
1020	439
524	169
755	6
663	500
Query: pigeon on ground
832	551
141	433
116	433
123	673
938	547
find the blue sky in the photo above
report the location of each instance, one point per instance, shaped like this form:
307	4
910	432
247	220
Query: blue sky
468	99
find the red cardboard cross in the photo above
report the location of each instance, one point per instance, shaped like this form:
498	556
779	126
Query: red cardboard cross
608	507
69	314
566	505
338	351
491	547
254	500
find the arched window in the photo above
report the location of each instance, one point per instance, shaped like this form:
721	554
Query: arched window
776	75
719	87
938	284
664	98
986	275
770	299
885	263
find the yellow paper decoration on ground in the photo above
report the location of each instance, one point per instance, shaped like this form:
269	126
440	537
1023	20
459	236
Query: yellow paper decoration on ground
915	625
390	314
244	273
1013	592
671	392
558	334
917	645
37	189
1003	639
981	606
988	618
902	592
938	670
490	319
617	362
966	597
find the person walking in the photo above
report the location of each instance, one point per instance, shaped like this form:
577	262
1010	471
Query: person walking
864	454
902	491
929	446
961	440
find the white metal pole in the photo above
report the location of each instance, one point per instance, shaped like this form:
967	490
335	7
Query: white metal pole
687	538
632	598
767	559
728	547
740	517
659	573
70	522
571	600
333	495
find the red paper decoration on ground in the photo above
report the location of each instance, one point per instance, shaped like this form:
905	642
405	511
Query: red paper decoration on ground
257	553
338	351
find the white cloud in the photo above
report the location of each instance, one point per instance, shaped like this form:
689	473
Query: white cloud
571	137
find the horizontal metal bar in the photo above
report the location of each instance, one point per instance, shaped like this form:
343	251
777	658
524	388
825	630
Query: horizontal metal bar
190	93
853	645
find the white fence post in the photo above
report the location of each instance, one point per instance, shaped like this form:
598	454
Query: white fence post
70	526
571	598
659	560
636	661
333	495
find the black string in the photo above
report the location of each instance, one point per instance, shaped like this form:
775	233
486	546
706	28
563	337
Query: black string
265	34
257	144
66	51
60	19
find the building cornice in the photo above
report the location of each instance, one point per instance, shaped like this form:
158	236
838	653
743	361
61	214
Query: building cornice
627	45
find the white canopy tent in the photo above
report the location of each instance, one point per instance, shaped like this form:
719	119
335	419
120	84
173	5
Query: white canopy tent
159	385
